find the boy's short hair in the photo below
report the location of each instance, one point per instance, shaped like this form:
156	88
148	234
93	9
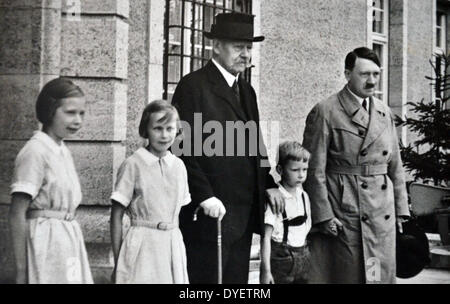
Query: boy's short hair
49	99
160	105
291	150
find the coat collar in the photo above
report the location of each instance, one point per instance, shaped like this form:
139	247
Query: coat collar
375	123
221	89
353	108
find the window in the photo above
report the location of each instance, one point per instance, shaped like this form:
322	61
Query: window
378	40
185	47
440	29
440	47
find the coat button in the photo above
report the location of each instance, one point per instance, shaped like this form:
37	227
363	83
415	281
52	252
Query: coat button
364	218
364	185
364	152
361	132
385	152
387	216
383	187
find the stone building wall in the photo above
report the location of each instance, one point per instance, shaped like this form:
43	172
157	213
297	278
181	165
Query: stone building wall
30	47
113	49
420	50
104	47
302	58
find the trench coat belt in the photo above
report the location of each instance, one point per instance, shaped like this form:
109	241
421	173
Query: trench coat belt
363	170
56	214
154	225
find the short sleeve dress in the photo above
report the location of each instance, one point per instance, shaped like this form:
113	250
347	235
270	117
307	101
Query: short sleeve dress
153	190
55	248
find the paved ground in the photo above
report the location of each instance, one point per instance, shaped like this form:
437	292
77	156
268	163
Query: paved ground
427	276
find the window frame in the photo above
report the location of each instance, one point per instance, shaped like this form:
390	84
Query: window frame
381	39
190	26
439	48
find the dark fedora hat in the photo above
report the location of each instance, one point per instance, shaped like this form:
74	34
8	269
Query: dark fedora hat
233	26
412	250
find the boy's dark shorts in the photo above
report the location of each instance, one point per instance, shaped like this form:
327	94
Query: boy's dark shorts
289	265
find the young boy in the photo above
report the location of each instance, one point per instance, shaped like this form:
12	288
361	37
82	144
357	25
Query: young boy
284	250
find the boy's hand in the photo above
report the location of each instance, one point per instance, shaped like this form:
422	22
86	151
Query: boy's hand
276	200
331	227
265	277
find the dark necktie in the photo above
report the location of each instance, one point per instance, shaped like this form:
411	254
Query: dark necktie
235	88
364	104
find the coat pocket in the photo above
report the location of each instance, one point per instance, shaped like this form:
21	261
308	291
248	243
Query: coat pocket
360	132
349	202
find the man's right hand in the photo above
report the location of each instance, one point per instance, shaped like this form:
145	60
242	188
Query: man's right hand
331	227
213	207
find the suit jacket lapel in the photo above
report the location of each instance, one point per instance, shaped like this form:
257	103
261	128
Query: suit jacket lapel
247	100
377	123
221	89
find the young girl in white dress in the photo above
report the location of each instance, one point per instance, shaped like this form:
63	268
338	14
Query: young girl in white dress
47	242
151	186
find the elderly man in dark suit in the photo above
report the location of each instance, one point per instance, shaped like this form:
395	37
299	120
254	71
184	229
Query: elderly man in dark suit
223	182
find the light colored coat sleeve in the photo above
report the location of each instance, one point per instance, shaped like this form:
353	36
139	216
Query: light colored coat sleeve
316	139
397	175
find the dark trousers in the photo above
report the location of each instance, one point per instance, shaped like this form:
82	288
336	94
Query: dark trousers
202	262
289	265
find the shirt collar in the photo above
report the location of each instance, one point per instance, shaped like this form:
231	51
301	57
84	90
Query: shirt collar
150	158
360	99
49	142
286	194
230	78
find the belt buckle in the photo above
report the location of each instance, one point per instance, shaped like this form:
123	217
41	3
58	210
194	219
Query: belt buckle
366	170
162	226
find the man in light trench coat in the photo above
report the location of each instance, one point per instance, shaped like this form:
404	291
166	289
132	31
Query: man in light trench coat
355	180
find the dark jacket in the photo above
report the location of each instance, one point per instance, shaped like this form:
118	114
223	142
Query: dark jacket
238	181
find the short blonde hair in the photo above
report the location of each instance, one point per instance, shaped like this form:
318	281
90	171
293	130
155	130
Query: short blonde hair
160	105
291	150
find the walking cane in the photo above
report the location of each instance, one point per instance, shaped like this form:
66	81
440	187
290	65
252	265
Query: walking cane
219	251
219	245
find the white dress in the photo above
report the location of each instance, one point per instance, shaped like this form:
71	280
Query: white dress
55	248
153	190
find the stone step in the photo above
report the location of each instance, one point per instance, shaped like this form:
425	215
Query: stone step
101	275
440	257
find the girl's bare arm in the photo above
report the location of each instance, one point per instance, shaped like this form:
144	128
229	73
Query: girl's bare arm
18	229
117	212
